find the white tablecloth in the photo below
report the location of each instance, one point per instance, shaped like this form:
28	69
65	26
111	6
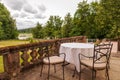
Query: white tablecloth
73	49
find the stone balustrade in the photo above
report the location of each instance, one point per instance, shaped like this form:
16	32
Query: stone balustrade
22	57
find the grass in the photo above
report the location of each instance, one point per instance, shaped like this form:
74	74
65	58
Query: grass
9	43
1	64
12	42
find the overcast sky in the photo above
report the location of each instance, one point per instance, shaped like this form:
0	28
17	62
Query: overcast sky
28	12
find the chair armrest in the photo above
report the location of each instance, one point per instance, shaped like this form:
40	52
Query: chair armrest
63	54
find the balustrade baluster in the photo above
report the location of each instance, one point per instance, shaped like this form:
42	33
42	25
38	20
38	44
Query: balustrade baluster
25	57
34	54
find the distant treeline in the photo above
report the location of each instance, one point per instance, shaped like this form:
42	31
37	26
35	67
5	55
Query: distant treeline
26	30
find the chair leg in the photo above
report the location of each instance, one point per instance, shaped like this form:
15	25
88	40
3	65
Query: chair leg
93	74
41	69
107	74
80	75
109	65
80	72
54	68
48	71
63	71
74	72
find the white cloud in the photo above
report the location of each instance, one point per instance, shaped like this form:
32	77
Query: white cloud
23	15
42	8
15	15
39	16
30	17
25	23
28	8
15	4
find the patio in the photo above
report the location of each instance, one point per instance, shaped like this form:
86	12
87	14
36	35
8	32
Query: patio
34	73
31	55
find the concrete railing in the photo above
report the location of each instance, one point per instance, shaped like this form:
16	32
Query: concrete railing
20	57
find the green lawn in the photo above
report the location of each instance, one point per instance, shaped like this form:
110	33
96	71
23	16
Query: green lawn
12	42
9	43
1	64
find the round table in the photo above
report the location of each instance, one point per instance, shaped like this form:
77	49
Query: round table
73	49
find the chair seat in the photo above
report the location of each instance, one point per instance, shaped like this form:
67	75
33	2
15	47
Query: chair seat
97	66
53	60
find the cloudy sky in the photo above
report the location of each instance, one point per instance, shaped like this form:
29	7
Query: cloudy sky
28	12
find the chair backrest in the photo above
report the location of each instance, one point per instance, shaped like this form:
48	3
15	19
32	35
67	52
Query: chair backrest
104	41
102	53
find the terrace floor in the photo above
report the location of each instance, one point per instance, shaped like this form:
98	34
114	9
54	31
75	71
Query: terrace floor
34	73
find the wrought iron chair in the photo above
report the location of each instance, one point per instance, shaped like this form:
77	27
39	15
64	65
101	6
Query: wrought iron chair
99	60
53	60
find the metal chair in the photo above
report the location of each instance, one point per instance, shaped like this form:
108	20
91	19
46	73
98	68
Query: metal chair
99	60
53	60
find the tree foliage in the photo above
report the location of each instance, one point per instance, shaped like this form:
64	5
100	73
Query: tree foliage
38	31
1	31
112	9
53	27
8	28
81	18
67	26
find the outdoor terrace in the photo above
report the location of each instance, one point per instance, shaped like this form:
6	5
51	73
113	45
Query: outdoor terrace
34	73
23	62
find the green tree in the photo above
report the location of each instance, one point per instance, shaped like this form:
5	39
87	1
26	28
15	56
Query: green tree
91	20
49	28
92	26
67	26
81	22
53	27
57	27
1	32
8	24
38	31
112	9
100	28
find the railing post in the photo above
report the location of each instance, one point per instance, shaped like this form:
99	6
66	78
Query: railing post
12	63
118	44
